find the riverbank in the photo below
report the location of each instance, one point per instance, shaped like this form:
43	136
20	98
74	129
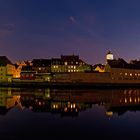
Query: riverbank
33	84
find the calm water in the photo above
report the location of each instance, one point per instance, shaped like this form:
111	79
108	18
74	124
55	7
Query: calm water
69	114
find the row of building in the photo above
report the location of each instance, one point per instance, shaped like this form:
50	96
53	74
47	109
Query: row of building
41	68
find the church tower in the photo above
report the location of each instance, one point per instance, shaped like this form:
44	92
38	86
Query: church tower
109	56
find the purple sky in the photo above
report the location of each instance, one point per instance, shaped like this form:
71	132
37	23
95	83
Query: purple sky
88	28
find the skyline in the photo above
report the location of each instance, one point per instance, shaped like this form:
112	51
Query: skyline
88	28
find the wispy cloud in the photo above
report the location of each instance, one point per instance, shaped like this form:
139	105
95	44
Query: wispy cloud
72	19
6	29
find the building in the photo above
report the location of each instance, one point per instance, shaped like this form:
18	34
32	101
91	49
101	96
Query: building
109	56
7	69
42	65
69	63
27	73
56	65
123	72
99	68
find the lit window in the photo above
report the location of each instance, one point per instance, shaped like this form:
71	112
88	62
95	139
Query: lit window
68	70
39	68
74	67
135	74
130	74
125	73
66	63
76	62
71	66
71	70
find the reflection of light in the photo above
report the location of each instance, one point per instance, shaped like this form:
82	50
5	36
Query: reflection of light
130	99
135	100
65	109
69	105
125	100
73	105
30	107
109	113
56	106
39	103
53	105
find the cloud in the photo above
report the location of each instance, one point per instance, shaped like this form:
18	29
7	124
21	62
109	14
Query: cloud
6	29
72	19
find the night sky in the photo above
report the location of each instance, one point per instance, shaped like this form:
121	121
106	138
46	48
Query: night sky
88	28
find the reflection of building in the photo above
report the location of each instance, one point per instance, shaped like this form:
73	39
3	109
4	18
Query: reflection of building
71	102
123	72
7	100
124	100
50	102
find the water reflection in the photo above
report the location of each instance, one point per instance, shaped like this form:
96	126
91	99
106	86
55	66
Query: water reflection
69	102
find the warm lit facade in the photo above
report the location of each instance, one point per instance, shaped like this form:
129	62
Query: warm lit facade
7	69
99	68
123	72
69	63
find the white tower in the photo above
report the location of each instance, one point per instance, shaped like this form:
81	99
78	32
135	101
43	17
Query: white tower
109	56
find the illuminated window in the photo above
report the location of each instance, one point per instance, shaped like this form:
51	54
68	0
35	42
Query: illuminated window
74	67
71	70
130	74
66	63
76	62
125	73
138	74
68	70
71	66
135	74
39	68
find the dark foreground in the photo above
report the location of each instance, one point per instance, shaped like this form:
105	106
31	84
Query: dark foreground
45	113
30	84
